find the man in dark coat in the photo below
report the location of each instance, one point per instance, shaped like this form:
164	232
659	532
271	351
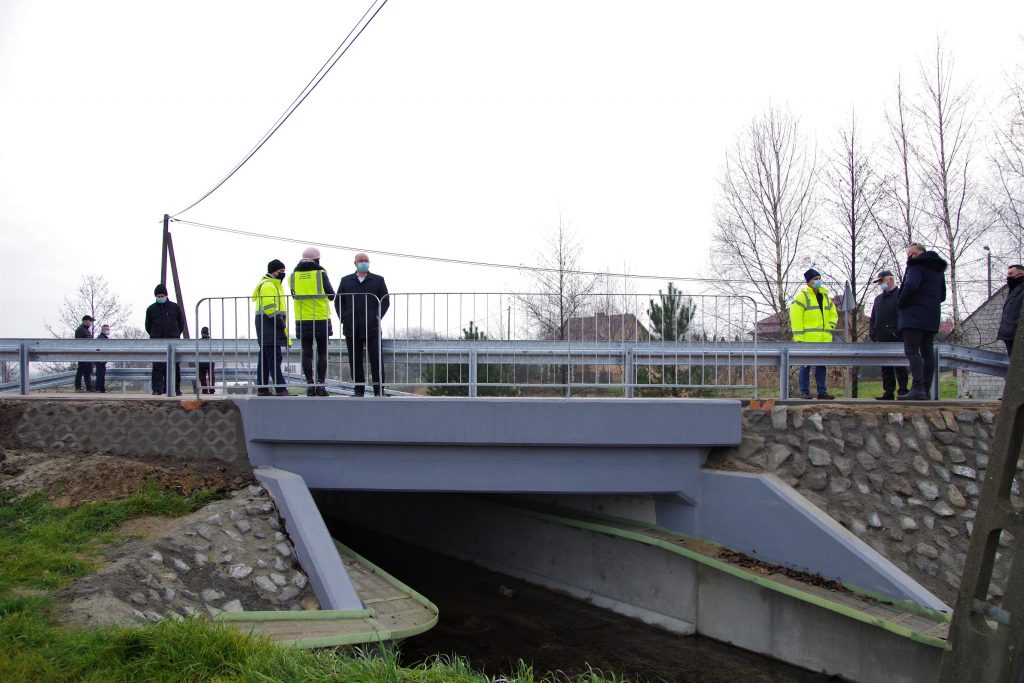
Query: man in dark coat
164	320
84	371
920	311
361	303
884	328
1011	307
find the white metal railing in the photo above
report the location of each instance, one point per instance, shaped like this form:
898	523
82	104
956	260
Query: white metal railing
502	344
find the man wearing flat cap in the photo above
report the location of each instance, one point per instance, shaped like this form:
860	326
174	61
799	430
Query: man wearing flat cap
164	320
884	328
84	371
813	318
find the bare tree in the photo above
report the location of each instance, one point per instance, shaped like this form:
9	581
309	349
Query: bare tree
854	195
945	164
766	206
94	298
898	221
1007	200
561	291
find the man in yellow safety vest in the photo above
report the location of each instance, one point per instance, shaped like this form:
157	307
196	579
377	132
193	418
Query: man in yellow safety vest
813	317
312	291
271	330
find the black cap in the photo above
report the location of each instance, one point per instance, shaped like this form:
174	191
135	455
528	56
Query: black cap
883	274
274	266
811	274
88	317
205	330
160	289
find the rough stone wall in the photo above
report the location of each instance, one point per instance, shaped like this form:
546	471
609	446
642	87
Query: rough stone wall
904	480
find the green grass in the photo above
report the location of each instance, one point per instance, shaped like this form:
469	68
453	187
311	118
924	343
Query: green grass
43	548
869	388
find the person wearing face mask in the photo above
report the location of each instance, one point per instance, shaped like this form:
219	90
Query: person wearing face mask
884	327
84	371
1011	306
920	310
362	302
312	292
164	320
271	322
813	318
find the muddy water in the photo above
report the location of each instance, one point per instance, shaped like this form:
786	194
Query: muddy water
494	621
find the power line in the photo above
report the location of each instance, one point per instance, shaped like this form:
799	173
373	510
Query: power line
338	53
467	262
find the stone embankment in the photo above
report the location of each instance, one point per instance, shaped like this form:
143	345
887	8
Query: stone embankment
904	480
230	556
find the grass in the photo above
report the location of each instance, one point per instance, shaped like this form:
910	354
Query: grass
43	548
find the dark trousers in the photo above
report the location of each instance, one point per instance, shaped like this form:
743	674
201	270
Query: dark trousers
84	372
1009	346
207	377
268	369
159	378
321	358
891	376
355	362
919	347
804	379
101	378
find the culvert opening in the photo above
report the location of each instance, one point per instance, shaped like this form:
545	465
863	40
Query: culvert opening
495	620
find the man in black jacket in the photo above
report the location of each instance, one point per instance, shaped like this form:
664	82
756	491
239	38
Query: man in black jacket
920	311
1011	307
361	303
164	320
84	371
883	328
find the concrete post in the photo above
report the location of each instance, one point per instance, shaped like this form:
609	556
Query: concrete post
169	376
472	372
784	373
23	368
629	371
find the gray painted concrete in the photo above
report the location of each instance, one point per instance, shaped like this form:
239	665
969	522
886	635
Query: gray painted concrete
312	542
761	516
643	582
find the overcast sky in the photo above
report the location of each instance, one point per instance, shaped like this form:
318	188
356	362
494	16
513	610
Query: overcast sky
451	128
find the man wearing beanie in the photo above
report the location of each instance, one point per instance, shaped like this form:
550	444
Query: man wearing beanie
164	320
271	320
84	371
813	317
920	310
312	293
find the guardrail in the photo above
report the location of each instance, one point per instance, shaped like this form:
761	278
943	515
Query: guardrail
704	361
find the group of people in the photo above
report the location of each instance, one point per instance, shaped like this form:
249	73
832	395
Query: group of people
83	374
909	313
360	301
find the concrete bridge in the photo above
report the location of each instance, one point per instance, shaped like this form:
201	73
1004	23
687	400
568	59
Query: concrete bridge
609	500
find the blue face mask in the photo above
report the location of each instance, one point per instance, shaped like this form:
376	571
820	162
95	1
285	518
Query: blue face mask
815	283
161	299
363	267
885	286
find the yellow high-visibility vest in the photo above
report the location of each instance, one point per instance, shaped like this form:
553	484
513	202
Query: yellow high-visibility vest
311	301
812	322
269	296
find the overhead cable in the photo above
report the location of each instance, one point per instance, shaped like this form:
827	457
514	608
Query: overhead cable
339	52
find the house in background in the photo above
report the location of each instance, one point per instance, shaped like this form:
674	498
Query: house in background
978	330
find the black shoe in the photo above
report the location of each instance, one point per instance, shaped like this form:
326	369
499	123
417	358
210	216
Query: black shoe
825	396
885	397
281	392
915	394
804	396
902	391
310	391
263	392
321	391
79	390
158	393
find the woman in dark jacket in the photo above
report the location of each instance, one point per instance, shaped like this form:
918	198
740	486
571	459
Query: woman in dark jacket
920	311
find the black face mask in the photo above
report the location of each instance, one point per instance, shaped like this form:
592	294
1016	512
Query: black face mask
1014	281
279	276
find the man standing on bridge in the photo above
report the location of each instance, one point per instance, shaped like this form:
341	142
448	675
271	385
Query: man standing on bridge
84	371
813	317
1011	307
920	310
362	302
884	328
164	320
312	292
271	322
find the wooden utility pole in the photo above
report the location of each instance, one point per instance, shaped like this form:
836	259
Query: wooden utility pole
167	252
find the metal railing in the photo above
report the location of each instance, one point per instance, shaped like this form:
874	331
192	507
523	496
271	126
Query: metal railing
500	344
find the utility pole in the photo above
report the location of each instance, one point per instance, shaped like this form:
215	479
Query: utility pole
988	254
167	251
